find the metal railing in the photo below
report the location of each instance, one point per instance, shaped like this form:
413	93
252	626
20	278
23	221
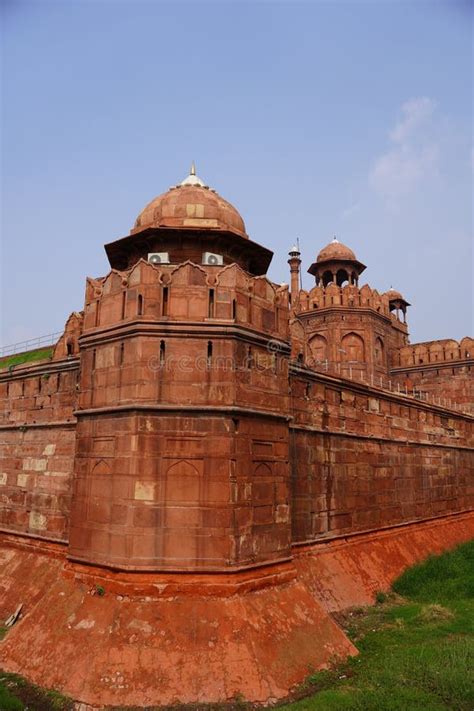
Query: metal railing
31	344
351	371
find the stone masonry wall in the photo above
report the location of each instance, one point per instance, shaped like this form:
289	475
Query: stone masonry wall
363	459
37	445
451	383
442	370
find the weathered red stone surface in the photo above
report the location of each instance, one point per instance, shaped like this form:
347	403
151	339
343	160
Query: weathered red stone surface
154	646
150	641
210	450
349	571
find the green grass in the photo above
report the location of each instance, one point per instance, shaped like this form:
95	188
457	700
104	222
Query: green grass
28	357
440	578
8	702
416	651
17	693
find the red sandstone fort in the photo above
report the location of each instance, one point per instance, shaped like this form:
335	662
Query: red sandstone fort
210	464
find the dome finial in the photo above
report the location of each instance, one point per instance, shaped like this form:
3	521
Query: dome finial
334	239
193	179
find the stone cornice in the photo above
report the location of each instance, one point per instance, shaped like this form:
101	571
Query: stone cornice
436	365
378	438
196	329
38	425
44	368
230	410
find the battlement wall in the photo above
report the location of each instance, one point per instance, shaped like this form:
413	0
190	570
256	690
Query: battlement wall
187	292
37	446
439	369
363	459
446	350
350	296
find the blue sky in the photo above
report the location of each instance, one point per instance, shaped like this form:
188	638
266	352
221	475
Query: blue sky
312	118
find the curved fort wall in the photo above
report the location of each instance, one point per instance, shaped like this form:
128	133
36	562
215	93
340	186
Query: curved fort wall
193	441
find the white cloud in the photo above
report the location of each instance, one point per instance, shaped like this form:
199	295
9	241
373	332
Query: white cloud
411	158
414	113
351	210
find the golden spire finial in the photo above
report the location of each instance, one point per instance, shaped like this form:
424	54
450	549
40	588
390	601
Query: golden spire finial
192	178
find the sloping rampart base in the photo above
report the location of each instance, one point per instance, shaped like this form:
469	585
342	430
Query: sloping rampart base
348	572
147	650
168	646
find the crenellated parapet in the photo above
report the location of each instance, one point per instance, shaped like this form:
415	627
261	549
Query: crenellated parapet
439	370
186	292
434	352
349	296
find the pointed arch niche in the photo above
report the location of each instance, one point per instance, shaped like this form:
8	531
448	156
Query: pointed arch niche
352	348
379	352
183	483
319	349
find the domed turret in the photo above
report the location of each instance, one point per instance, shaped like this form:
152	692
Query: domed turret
397	302
335	250
189	222
336	263
191	204
394	295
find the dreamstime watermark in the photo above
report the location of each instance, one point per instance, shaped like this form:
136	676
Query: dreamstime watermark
261	360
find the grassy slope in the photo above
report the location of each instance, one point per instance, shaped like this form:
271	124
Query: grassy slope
416	652
28	357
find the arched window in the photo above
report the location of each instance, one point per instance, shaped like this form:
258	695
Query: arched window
140	305
342	277
327	278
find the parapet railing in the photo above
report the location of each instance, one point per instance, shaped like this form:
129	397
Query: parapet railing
31	344
352	372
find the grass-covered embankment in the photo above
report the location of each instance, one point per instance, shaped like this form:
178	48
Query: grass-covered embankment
416	645
27	357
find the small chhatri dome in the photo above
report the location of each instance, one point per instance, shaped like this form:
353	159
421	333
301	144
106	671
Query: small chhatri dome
191	205
396	299
335	250
336	264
